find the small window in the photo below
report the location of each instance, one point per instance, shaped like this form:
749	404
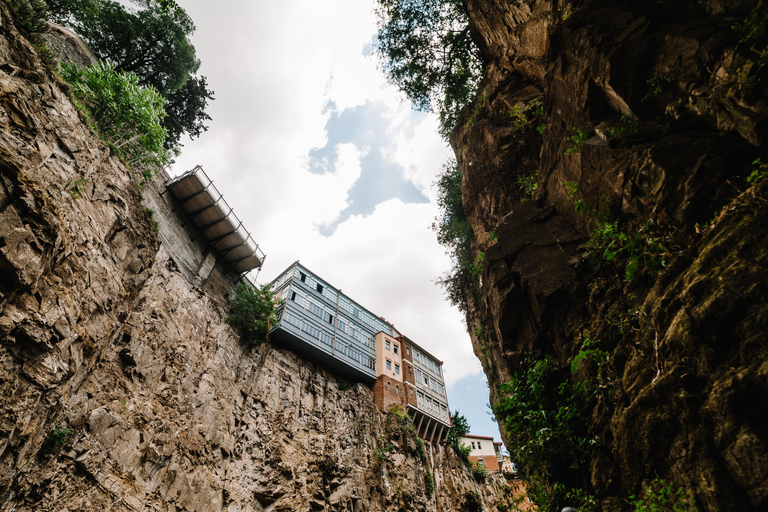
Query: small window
396	349
411	390
480	462
397	389
319	288
303	277
388	345
407	351
293	296
330	319
473	445
397	369
478	445
389	365
389	386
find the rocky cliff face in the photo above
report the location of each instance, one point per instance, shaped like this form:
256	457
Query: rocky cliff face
122	387
642	250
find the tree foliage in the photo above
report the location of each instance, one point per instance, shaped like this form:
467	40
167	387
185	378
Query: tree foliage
185	110
454	232
127	115
427	52
459	428
252	311
152	42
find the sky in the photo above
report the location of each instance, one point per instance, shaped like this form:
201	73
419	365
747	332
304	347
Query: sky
326	163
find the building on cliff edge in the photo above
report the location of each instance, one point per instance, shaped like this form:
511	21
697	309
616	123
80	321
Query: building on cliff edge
319	321
484	451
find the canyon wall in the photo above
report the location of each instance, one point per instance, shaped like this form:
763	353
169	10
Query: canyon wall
641	253
122	386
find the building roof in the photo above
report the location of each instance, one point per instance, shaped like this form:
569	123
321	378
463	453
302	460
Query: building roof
215	221
478	437
409	340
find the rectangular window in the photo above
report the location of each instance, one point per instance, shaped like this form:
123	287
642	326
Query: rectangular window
480	461
397	389
389	386
293	296
303	277
396	347
388	345
397	369
411	390
389	365
319	288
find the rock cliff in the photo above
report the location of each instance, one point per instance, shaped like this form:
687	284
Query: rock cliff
122	386
638	263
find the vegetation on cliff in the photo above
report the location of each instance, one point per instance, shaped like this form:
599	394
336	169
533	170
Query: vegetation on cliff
126	115
427	51
151	42
252	312
454	232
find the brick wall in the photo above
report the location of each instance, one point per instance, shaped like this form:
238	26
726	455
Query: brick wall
408	375
490	463
388	392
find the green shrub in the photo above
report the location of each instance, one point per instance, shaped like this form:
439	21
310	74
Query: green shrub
655	84
429	483
127	116
577	140
759	171
478	472
662	496
252	311
546	416
55	439
528	184
643	250
420	450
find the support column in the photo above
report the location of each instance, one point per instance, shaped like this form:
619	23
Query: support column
432	436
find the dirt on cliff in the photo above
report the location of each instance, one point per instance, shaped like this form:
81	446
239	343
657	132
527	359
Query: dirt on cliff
638	263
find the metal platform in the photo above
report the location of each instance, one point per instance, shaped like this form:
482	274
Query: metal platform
215	222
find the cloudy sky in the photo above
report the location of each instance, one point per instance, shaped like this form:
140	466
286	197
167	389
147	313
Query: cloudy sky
326	163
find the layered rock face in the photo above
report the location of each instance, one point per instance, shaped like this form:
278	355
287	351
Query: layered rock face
648	114
122	386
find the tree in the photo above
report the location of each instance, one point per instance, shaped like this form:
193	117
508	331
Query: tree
152	42
459	426
185	110
252	312
454	232
428	53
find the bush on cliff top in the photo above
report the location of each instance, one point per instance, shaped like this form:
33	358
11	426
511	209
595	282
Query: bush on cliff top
252	310
127	116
